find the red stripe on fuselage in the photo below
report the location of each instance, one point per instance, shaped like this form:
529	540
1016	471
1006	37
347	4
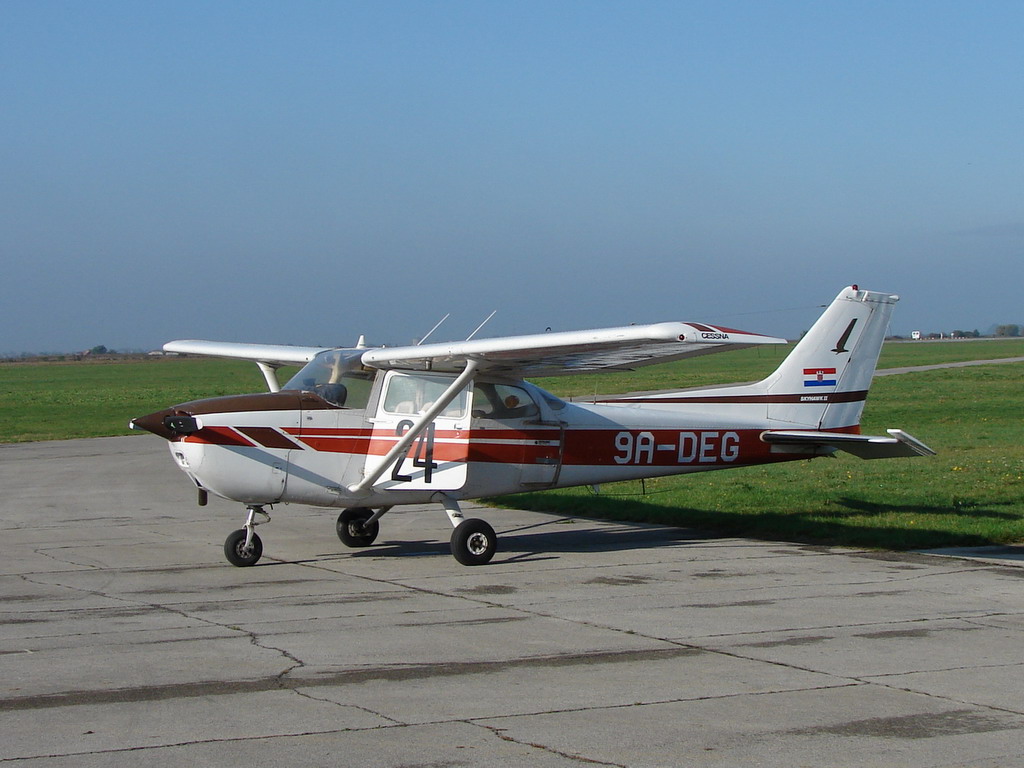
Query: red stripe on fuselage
334	440
617	447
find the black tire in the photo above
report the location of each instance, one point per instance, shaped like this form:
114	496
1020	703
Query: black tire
474	542
236	553
353	530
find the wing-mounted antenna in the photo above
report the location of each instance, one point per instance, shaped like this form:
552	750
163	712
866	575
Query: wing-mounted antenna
436	326
487	320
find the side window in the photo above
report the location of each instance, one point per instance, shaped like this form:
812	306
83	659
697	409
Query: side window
502	401
415	394
402	395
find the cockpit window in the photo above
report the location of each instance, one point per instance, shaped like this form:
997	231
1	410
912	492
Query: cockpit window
338	377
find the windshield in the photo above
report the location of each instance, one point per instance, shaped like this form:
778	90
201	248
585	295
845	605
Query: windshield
337	376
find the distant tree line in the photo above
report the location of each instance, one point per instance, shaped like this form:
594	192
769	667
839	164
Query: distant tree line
100	350
1005	331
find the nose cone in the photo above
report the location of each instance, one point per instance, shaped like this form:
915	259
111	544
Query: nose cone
157	423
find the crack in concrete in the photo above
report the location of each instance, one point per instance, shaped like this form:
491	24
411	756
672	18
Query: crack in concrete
277	682
503	736
296	663
63	561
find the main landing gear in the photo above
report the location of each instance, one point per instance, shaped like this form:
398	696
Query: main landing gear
358	527
473	541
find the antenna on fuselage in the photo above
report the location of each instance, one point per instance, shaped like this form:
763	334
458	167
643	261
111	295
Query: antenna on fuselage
438	325
482	325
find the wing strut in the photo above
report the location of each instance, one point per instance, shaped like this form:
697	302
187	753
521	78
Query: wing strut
416	429
270	374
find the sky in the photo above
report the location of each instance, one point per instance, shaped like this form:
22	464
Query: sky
306	172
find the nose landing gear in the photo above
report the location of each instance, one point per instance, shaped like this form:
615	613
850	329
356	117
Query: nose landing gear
243	547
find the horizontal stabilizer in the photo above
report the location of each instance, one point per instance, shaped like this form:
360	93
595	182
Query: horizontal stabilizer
898	444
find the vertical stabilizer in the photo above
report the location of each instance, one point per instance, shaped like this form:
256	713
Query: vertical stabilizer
823	383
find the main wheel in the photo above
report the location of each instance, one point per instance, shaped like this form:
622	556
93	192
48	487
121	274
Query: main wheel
474	542
353	530
237	553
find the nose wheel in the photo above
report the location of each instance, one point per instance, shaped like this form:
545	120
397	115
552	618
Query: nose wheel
243	547
240	552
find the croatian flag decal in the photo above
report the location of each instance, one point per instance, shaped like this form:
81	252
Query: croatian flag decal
819	377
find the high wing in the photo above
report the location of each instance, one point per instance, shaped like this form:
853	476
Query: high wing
274	354
542	354
554	354
269	357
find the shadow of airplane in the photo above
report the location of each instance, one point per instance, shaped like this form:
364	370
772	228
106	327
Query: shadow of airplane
545	540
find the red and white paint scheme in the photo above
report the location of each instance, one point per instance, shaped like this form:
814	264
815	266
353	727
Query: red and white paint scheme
366	429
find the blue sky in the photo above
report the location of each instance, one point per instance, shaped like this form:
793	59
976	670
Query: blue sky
304	172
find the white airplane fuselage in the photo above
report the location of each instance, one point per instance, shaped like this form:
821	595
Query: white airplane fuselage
295	447
368	429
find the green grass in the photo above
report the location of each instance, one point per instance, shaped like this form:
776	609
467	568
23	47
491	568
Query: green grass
971	493
54	401
895	355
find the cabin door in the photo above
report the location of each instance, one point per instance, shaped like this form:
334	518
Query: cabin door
436	459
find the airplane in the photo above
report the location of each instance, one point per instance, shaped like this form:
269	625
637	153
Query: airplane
365	429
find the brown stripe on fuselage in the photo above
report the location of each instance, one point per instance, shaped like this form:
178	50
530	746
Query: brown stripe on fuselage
835	397
269	437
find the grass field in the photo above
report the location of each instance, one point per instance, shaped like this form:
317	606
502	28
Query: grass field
971	493
55	401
